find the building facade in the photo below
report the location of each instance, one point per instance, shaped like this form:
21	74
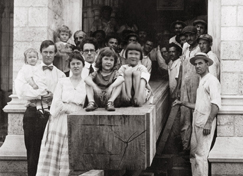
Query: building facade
29	29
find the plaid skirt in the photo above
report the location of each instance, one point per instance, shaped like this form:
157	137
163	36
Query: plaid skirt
54	159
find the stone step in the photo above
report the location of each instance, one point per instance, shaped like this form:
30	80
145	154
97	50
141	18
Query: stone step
170	165
179	171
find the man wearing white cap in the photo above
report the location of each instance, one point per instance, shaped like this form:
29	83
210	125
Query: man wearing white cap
208	103
205	42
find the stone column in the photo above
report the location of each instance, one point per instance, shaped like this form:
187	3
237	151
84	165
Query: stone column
72	14
34	21
227	154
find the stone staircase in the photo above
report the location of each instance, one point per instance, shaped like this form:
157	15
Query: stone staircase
169	165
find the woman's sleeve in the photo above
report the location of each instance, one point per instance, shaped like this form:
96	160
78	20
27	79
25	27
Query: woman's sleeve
57	105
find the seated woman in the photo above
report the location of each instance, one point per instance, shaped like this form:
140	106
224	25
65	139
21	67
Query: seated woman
104	85
135	90
68	97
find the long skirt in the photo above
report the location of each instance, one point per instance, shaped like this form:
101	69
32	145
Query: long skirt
54	159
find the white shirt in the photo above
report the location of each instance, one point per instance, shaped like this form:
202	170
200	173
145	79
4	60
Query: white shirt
47	77
208	93
21	83
85	71
214	69
173	40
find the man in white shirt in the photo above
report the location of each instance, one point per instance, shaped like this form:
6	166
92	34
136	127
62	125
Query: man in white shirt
208	103
205	42
174	67
34	122
177	27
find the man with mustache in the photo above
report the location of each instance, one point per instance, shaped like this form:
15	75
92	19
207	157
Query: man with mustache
189	85
78	38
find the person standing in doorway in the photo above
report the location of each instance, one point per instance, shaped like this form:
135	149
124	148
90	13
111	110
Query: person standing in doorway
189	85
205	42
177	27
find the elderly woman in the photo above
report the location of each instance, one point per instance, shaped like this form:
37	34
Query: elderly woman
69	97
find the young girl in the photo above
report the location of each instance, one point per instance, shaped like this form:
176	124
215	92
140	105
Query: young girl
63	48
135	90
104	85
26	79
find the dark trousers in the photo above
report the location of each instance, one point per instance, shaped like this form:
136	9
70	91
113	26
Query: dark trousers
34	127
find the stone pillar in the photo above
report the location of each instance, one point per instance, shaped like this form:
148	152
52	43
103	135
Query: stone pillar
72	14
227	153
34	21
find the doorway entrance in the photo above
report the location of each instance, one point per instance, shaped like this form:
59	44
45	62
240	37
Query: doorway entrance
155	15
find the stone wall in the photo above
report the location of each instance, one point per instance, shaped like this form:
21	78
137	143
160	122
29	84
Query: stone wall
34	22
231	68
227	154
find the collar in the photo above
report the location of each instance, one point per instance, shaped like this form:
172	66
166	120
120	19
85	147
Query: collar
43	64
87	64
174	63
202	79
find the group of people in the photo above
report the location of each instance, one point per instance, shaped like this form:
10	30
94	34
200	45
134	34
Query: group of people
194	83
96	73
94	79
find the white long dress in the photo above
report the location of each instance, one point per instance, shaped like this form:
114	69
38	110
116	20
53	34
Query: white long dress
53	159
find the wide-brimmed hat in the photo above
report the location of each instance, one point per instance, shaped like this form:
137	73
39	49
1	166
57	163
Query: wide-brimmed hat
199	21
206	37
172	26
203	56
189	29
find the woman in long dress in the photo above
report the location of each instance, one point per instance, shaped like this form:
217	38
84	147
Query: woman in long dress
68	97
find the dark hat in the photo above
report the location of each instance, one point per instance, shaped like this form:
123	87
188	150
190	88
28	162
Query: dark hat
189	29
131	34
112	35
199	21
98	31
134	46
203	56
172	26
178	48
206	37
108	8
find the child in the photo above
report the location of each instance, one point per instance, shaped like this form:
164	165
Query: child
63	48
25	81
105	84
135	90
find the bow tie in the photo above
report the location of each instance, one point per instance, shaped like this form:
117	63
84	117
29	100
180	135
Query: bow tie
47	67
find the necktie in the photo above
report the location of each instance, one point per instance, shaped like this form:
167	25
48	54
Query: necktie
91	70
47	67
